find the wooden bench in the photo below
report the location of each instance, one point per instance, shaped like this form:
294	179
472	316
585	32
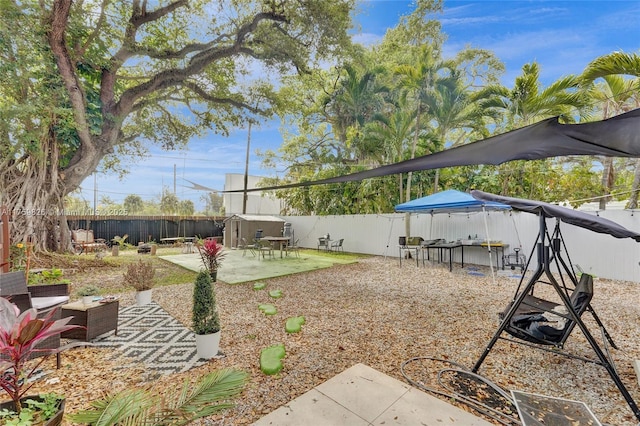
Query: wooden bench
83	241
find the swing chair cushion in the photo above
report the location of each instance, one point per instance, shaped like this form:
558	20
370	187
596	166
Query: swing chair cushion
551	326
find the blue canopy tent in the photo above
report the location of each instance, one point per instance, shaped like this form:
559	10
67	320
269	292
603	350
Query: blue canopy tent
452	201
448	201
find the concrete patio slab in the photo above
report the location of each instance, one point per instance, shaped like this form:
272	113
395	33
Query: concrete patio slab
361	395
240	267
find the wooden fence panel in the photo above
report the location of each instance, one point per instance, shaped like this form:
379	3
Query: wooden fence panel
148	228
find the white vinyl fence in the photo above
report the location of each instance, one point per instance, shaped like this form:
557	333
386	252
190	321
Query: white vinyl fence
598	254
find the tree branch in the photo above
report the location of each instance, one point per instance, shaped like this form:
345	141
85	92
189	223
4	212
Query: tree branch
56	38
206	96
80	51
197	64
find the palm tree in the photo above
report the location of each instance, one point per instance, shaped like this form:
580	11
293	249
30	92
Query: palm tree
453	107
529	102
615	95
356	99
613	63
389	134
419	81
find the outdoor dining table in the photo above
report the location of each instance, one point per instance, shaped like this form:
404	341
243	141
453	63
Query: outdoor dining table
280	240
442	247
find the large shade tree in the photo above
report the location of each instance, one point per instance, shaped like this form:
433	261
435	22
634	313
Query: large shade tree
84	82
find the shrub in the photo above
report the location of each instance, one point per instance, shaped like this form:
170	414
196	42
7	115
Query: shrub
140	275
205	312
88	290
212	254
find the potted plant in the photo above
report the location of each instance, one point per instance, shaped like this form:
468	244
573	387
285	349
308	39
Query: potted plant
118	241
48	282
140	275
88	292
206	323
212	254
20	333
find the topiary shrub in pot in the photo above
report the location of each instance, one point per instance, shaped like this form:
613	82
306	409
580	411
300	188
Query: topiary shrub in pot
206	323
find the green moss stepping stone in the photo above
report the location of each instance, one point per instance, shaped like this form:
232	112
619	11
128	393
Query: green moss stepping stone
259	285
268	309
271	359
294	324
275	294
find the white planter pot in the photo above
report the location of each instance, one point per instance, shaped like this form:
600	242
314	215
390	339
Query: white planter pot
143	297
87	299
207	345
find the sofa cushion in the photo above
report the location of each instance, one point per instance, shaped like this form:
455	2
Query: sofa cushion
41	303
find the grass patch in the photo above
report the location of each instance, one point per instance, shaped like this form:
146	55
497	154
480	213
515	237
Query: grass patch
335	255
107	273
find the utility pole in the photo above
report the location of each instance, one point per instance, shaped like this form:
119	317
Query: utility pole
246	173
174	179
95	195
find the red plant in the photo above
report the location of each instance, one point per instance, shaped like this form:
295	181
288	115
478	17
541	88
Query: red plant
19	334
212	254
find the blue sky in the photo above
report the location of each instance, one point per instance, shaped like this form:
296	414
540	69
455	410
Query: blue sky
562	36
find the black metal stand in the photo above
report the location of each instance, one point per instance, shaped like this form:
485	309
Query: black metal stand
548	252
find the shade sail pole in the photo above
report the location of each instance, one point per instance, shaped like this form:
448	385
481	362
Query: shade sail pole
389	237
486	230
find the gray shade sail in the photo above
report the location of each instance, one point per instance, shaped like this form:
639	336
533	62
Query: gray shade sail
618	136
573	217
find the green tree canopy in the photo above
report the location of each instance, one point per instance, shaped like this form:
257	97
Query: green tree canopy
83	83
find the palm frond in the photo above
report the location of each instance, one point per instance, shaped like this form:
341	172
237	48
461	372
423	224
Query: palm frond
613	63
127	407
209	396
140	407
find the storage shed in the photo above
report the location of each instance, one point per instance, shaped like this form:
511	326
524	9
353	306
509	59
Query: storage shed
247	226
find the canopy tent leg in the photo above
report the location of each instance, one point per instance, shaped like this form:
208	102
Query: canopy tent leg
486	230
547	254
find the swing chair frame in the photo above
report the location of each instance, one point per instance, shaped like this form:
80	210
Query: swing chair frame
549	252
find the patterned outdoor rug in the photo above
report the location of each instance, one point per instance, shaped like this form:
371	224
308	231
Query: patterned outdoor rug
154	338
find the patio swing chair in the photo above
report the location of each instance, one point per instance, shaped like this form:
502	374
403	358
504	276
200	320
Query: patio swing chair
547	323
538	322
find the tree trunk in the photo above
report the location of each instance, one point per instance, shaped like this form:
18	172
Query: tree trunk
35	192
607	181
407	222
633	198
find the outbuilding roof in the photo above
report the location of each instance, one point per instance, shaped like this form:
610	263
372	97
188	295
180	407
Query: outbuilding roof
255	218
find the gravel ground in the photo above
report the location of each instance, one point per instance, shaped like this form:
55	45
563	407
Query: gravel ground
380	314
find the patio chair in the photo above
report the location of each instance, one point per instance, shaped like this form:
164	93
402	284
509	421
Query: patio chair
244	245
337	245
44	298
293	248
265	248
323	242
83	241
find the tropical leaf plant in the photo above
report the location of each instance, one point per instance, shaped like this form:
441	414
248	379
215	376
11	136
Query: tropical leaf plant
180	406
20	333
